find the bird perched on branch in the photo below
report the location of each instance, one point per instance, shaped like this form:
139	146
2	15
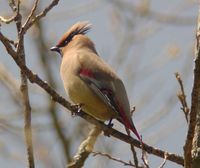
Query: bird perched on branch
90	81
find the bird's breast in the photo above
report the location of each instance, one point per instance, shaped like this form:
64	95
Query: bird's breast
80	93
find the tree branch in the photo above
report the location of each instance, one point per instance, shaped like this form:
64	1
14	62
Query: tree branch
24	86
31	13
28	24
192	154
85	149
135	159
46	62
164	161
9	20
182	97
115	159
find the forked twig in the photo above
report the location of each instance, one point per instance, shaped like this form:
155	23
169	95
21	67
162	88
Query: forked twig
182	97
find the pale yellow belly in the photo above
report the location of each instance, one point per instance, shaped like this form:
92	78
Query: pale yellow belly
80	93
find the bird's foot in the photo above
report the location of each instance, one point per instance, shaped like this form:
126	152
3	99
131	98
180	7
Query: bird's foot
110	125
76	109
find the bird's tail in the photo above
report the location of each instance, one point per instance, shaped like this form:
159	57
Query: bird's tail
129	125
134	130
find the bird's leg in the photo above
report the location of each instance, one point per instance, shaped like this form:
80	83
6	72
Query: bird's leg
110	125
76	108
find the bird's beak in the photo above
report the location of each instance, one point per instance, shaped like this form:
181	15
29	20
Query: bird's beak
57	49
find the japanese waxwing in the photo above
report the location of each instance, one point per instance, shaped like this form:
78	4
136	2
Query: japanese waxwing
90	81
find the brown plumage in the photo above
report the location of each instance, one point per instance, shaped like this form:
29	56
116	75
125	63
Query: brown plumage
89	80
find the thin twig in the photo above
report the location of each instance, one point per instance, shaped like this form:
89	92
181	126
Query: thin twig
182	97
144	158
40	15
31	13
7	45
135	159
164	161
133	149
8	20
27	120
113	158
12	5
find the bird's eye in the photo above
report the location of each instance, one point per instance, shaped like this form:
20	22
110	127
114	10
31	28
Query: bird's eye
64	43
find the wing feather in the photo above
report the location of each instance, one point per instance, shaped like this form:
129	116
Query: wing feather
106	95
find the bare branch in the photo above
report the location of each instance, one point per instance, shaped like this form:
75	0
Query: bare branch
85	148
135	159
132	146
9	20
144	158
31	13
24	89
27	120
115	159
195	107
7	45
12	5
182	97
39	16
164	161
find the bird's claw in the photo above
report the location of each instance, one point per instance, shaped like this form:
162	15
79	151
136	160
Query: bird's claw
76	109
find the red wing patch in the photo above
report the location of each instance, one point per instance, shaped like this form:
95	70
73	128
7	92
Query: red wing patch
86	72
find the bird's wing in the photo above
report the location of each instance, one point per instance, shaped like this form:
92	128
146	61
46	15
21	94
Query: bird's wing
105	83
100	87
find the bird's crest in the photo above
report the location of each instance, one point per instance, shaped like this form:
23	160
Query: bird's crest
78	28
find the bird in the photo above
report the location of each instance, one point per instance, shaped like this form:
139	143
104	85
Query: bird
90	81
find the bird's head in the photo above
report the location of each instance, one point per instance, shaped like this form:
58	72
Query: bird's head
75	36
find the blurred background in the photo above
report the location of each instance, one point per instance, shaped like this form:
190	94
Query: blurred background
145	41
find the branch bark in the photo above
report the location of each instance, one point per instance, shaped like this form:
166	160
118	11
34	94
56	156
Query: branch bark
182	97
192	154
46	62
25	92
85	149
